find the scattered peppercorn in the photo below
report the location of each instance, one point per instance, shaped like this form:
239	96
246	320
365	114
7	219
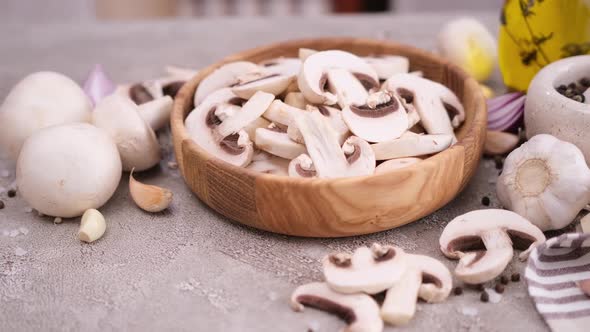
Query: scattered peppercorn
499	162
458	291
504	280
485	201
1	205
485	297
515	277
499	288
585	82
479	287
11	193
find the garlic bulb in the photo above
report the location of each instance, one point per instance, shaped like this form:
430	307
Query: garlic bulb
545	180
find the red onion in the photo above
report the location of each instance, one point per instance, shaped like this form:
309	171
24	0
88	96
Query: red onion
505	112
98	85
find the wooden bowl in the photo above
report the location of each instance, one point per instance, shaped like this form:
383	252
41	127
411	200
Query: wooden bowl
335	207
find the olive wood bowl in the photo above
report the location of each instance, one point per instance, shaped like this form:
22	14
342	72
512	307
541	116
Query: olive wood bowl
344	206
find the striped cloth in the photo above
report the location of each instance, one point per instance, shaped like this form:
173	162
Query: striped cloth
556	274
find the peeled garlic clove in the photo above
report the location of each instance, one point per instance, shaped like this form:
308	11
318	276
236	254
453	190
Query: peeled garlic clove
92	226
148	197
468	43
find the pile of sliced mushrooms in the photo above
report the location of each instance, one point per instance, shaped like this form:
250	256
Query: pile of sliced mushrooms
71	145
326	114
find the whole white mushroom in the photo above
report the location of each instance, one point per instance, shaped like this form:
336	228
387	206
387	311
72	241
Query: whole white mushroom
65	170
40	100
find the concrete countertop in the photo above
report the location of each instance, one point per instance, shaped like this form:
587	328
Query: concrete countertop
190	269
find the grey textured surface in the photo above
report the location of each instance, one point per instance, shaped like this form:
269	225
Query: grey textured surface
190	268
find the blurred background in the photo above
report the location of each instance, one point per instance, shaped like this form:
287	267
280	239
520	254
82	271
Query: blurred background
45	11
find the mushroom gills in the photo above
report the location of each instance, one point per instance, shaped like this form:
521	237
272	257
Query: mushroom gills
411	145
302	167
359	311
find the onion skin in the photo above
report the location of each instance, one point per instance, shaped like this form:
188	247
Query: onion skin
98	85
506	112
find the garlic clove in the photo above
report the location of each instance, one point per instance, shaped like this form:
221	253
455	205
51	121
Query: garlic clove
498	143
149	197
92	226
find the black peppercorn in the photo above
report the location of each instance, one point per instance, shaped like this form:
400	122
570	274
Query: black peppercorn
499	162
585	82
485	201
571	85
11	193
504	280
515	277
458	291
1	205
485	297
499	288
569	92
578	98
561	89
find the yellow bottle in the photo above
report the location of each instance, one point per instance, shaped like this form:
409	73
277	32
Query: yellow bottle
534	33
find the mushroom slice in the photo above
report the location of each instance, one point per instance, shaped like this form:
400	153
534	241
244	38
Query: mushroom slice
382	118
369	271
296	99
282	66
224	76
439	109
331	160
156	113
347	88
250	111
135	139
313	78
281	113
271	83
302	167
277	142
388	65
359	311
236	148
335	118
425	278
267	163
482	240
304	53
394	164
411	145
258	123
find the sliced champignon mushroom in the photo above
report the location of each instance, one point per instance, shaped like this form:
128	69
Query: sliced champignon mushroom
282	66
335	119
258	123
267	163
359	311
304	53
251	83
276	142
394	164
296	99
425	278
368	270
224	76
236	149
135	139
388	65
382	118
313	78
482	240
348	89
439	109
156	113
250	111
330	160
281	113
302	167
411	145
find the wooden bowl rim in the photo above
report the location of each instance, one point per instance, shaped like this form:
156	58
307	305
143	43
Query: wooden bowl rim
187	93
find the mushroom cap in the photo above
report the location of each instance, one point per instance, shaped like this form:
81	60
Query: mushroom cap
312	77
40	100
65	170
432	100
235	149
360	311
222	77
386	121
545	180
135	139
368	270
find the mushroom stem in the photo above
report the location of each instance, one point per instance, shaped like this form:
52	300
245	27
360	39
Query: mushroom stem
156	113
400	300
